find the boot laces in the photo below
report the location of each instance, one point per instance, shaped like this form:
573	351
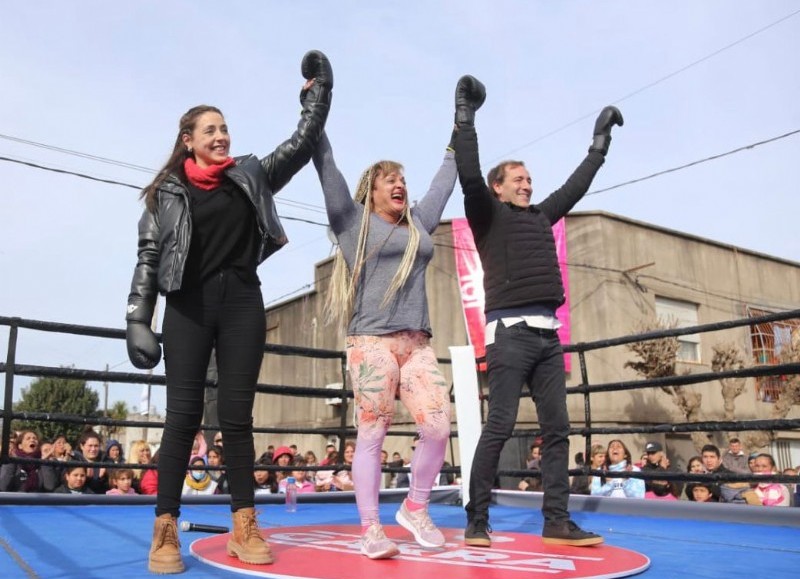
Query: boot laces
250	529
169	535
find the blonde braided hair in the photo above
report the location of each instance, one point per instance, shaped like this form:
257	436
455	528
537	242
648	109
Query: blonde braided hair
343	284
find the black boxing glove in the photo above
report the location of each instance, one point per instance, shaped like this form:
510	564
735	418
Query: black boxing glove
316	66
607	118
470	94
144	351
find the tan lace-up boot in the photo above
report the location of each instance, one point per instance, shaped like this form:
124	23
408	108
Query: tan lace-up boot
165	552
246	542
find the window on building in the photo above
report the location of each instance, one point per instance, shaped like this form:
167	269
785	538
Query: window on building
767	341
681	314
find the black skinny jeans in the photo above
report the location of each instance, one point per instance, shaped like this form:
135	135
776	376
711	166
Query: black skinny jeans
524	355
226	314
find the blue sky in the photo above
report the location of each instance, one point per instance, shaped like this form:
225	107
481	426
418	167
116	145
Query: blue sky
693	79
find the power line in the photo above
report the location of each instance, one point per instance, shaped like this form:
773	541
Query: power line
78	154
122	184
693	163
651	85
125	164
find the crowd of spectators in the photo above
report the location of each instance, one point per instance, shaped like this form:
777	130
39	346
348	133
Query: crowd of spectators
205	472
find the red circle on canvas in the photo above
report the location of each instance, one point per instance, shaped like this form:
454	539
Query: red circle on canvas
333	552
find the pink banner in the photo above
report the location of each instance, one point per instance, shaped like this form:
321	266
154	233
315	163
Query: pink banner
470	281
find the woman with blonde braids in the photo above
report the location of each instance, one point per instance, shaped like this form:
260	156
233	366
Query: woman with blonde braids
378	290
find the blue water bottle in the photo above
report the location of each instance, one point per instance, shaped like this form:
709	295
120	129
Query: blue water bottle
291	495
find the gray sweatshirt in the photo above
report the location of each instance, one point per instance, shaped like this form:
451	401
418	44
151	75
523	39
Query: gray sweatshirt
386	245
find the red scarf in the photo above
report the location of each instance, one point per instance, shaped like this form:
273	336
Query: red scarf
207	178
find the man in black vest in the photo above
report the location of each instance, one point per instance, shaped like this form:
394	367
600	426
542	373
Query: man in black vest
522	282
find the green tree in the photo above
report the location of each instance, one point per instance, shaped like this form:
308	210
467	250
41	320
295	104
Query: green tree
57	395
118	412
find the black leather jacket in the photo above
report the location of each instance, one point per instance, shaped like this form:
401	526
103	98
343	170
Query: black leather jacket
165	233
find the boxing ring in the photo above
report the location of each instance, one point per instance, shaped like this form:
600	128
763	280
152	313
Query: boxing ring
64	536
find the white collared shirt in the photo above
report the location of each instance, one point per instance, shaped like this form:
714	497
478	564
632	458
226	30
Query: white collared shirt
544	322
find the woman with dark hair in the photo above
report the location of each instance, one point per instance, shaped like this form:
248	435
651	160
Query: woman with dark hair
25	477
618	459
209	221
89	451
216	457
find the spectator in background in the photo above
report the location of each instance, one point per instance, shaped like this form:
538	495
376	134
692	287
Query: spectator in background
199	445
657	461
403	480
386	477
62	450
751	459
295	452
198	482
311	458
735	460
532	483
121	482
218	439
535	457
322	479
329	448
342	479
771	494
216	457
149	482
75	482
694	466
702	492
618	459
264	482
140	453
580	483
113	453
397	461
794	489
27	477
301	479
730	492
89	446
283	456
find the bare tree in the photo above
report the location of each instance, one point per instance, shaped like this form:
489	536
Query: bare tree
727	356
658	359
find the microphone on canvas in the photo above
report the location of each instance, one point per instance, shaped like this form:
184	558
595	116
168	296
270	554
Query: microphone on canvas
200	528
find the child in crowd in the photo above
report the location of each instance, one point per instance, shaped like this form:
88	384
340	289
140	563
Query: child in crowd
303	484
198	482
121	482
702	492
74	482
264	482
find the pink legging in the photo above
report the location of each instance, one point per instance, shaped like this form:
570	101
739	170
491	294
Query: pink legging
377	366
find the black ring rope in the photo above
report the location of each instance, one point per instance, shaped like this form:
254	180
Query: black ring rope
11	369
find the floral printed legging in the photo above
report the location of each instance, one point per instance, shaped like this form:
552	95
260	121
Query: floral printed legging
377	366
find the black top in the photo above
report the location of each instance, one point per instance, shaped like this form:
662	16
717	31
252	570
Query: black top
224	235
516	245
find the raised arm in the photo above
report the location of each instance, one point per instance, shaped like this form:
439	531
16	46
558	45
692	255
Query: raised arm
431	206
561	201
478	200
341	208
292	155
